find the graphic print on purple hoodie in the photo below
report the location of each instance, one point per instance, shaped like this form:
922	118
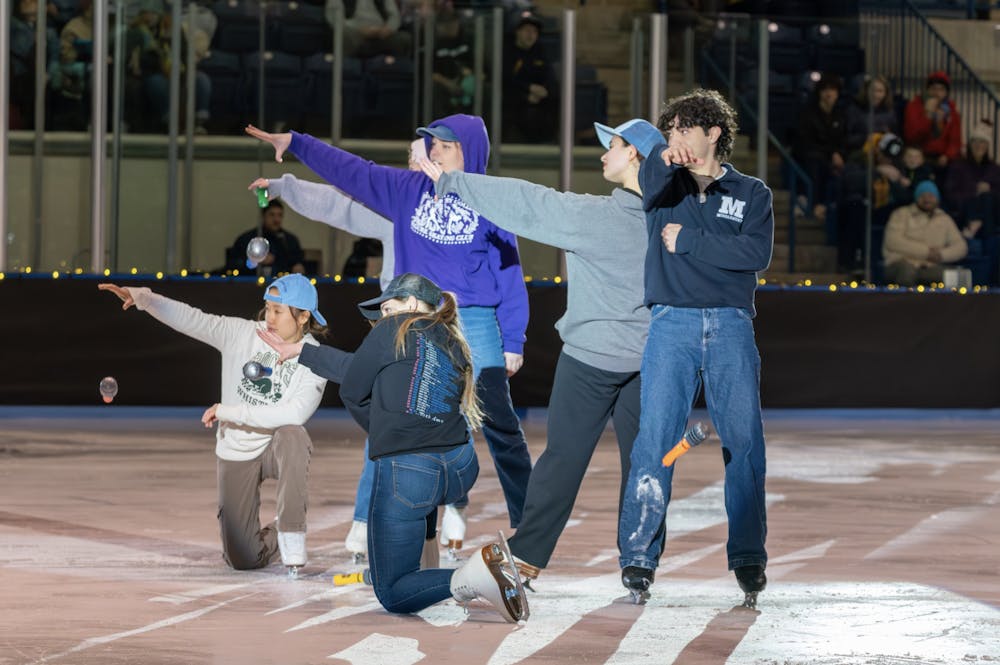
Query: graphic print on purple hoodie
443	239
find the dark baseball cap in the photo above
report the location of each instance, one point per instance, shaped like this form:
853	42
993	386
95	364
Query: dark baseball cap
403	286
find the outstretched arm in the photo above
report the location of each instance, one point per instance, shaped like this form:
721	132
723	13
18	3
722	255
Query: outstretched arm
327	204
528	210
378	187
216	331
326	361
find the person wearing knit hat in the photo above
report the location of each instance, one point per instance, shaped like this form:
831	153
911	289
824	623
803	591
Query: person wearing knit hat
972	193
932	121
920	239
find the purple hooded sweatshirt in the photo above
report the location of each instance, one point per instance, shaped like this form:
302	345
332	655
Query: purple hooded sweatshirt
442	239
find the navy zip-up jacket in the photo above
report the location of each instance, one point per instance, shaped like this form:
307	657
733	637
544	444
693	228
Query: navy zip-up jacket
728	236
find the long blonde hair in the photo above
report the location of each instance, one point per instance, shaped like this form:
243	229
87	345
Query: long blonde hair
447	316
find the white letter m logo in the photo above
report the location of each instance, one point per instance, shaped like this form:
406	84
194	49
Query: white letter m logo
731	209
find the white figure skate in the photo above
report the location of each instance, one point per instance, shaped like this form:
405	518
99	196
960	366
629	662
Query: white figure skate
357	541
453	530
292	545
491	574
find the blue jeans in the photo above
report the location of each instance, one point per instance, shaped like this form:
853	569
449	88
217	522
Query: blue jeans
687	348
501	427
407	489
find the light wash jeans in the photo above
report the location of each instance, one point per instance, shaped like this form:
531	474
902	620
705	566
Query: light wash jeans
688	348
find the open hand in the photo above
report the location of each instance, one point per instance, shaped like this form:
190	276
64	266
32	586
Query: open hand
209	418
432	170
513	361
285	349
279	141
123	294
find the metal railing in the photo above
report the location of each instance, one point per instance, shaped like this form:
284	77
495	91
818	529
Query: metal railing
795	173
907	47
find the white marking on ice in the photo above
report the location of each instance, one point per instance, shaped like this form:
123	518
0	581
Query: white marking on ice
562	601
934	529
554	610
817	551
603	556
163	623
379	649
440	615
333	615
194	594
323	595
882	623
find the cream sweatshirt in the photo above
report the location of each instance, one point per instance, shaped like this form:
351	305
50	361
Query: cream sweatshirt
911	233
249	411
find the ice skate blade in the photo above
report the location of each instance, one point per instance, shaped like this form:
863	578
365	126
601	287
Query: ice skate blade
293	572
638	597
750	602
357	557
515	599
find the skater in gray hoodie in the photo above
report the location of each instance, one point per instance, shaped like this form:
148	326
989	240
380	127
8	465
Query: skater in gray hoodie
604	327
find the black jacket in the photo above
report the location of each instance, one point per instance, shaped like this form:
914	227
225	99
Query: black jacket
408	403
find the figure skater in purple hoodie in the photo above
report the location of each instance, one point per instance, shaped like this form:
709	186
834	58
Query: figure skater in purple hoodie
445	240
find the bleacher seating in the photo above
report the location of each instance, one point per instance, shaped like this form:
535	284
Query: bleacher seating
389	96
302	30
318	70
284	89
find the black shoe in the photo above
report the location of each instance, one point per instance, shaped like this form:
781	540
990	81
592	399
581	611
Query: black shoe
751	578
637	579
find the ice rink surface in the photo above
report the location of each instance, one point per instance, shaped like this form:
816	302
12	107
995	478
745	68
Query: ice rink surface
884	546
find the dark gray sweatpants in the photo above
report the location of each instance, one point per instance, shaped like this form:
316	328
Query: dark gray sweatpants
583	399
245	545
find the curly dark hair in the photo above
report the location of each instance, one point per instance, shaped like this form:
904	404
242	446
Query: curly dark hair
706	109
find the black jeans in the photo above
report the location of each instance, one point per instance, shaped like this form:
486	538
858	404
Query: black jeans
583	398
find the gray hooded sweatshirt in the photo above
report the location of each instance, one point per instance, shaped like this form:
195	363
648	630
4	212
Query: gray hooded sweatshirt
325	203
606	322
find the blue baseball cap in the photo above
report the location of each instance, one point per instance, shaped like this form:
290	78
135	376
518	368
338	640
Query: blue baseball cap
638	132
927	186
296	291
440	132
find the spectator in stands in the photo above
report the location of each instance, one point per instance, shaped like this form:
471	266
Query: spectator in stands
920	239
915	169
887	189
371	27
973	185
148	48
821	143
875	97
529	92
454	78
285	251
69	79
22	61
932	122
61	11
